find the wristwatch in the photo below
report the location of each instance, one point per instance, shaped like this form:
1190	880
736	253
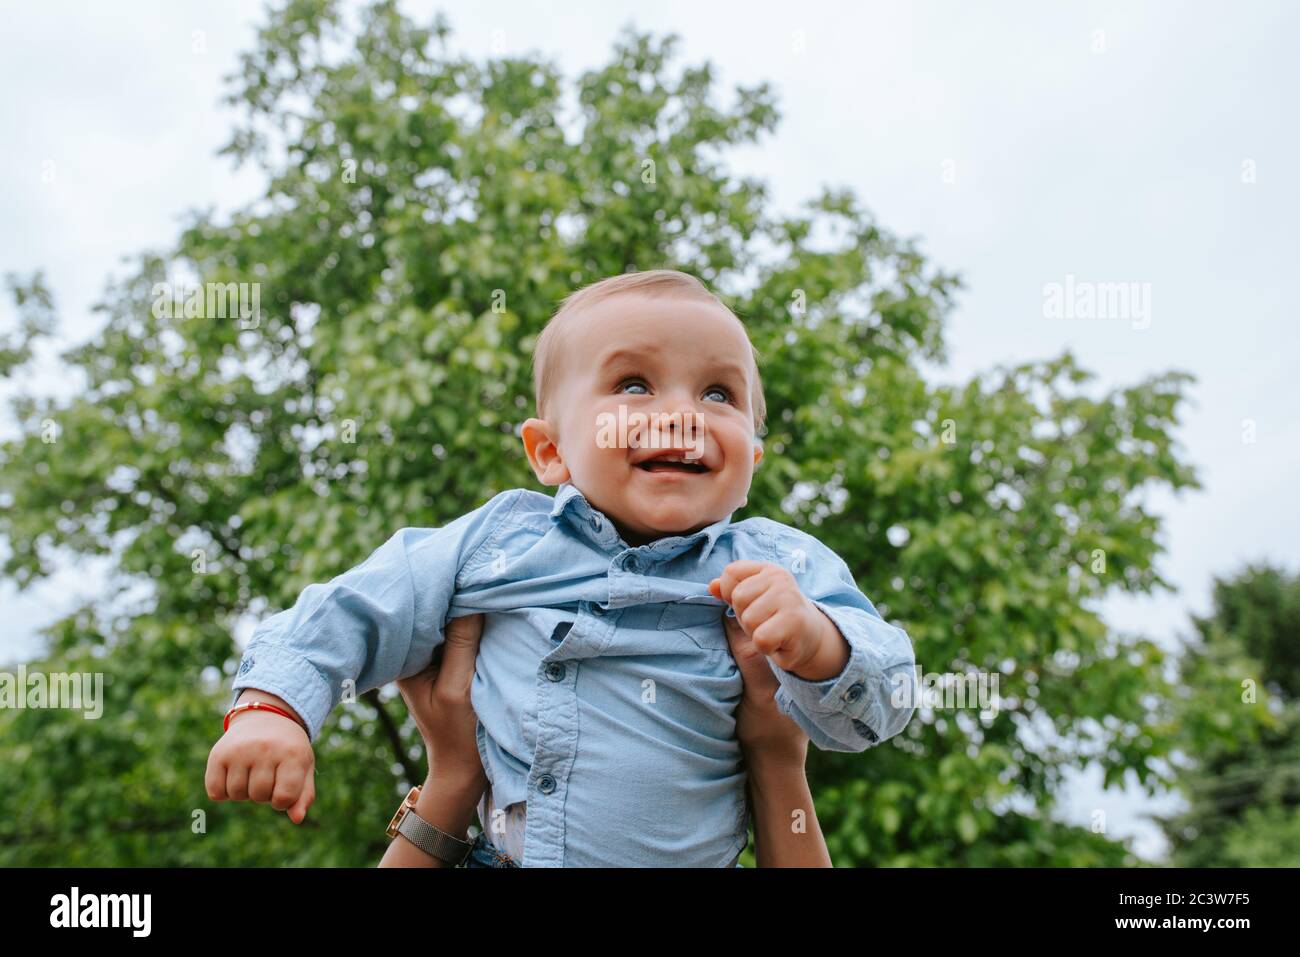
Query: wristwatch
424	835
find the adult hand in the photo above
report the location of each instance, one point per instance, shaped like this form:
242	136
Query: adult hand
438	698
775	750
765	733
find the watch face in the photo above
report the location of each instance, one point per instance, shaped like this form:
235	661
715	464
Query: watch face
397	819
406	805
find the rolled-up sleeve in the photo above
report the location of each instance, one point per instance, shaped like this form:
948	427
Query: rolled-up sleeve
874	696
373	624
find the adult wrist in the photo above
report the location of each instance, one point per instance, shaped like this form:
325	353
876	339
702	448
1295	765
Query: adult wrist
774	762
448	807
457	781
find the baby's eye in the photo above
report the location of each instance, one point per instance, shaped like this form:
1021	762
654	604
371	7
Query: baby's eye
726	395
634	383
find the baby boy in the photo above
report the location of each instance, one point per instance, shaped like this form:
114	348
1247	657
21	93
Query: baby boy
604	685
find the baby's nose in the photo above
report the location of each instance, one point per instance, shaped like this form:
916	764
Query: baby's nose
679	423
678	412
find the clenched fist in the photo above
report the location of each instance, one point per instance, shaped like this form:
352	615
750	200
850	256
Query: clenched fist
780	621
264	757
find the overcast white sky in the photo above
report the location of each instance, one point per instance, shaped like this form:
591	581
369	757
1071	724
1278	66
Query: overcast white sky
1022	142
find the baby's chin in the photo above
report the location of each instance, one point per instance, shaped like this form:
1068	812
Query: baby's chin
668	522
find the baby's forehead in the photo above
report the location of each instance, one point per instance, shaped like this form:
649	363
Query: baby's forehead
635	321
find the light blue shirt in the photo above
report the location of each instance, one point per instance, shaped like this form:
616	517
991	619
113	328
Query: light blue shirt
604	686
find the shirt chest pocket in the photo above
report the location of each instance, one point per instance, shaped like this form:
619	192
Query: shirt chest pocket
701	621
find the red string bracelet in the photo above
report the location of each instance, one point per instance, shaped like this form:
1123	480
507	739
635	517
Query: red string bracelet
256	706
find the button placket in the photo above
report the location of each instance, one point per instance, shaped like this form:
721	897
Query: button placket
553	754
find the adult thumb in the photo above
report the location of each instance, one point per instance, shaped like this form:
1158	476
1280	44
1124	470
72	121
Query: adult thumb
460	647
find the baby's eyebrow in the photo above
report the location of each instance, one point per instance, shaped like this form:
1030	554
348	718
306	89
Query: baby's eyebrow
730	369
627	355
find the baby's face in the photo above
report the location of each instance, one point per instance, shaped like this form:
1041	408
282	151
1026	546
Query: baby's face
652	357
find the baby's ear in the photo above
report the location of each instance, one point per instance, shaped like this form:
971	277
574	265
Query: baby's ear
758	450
543	452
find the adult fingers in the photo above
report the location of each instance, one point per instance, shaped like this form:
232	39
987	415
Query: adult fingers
754	669
460	649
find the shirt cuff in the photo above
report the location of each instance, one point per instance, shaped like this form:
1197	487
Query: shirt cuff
288	675
845	693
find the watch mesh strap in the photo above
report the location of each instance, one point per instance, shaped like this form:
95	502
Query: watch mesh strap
431	840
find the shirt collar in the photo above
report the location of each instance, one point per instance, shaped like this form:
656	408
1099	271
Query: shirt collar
572	507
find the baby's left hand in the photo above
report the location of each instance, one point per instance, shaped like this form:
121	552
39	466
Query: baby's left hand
780	621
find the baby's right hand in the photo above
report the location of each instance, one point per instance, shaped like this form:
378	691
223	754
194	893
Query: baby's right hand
264	757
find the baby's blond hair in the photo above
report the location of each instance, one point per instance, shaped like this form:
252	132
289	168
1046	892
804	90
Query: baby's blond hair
651	282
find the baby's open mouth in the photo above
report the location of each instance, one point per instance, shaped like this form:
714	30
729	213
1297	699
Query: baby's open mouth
673	462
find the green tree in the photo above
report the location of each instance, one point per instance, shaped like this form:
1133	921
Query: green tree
423	215
1241	780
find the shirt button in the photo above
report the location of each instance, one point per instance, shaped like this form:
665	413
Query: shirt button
862	729
546	784
632	565
597	611
854	692
596	522
555	671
